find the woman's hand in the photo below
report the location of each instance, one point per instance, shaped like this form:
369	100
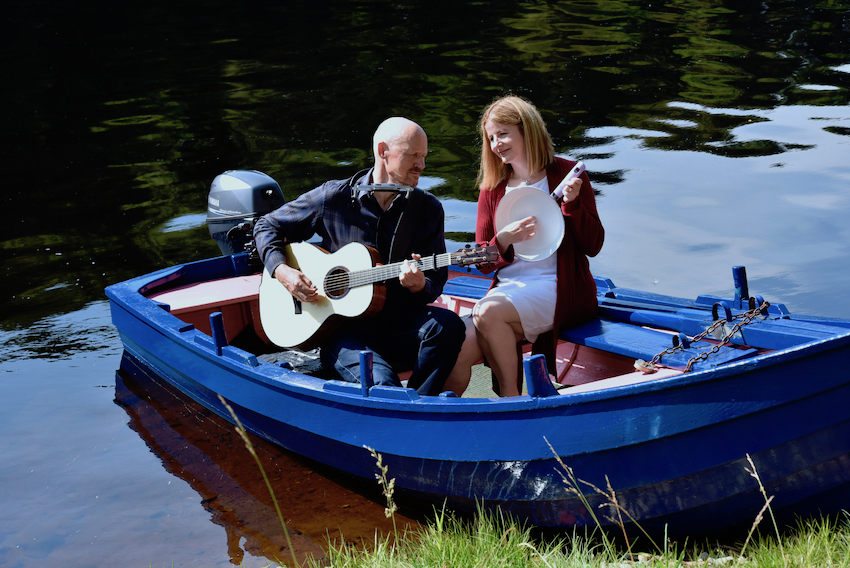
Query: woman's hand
571	190
516	232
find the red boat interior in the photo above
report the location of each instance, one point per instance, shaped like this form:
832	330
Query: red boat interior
237	299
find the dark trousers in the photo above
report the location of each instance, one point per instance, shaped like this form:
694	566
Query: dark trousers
425	339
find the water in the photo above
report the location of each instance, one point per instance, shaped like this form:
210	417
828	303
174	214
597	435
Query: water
715	134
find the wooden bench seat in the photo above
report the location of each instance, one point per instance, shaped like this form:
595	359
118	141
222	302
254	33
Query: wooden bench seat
467	287
638	342
236	298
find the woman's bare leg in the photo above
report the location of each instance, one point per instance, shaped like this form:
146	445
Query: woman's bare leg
499	329
470	354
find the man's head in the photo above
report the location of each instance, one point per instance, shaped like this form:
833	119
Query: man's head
400	147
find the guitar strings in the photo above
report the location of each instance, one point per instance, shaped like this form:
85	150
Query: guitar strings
357	278
375	274
343	280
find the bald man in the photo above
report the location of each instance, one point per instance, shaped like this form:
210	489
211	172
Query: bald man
408	333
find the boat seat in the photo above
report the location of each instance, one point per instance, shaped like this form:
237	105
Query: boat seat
236	298
638	342
467	287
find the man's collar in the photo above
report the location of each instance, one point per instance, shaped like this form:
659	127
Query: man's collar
368	180
365	179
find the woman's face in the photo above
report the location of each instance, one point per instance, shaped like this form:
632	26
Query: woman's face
506	141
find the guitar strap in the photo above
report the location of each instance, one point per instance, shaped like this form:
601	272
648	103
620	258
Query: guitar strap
406	224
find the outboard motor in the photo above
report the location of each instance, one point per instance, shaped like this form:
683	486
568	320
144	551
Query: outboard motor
237	199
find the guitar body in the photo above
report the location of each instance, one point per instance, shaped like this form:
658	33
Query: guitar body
279	315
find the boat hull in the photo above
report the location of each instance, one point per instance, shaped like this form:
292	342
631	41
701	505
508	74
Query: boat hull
674	450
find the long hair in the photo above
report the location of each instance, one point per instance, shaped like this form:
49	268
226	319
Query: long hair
539	148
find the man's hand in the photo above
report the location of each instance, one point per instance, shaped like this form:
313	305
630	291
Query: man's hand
297	283
411	277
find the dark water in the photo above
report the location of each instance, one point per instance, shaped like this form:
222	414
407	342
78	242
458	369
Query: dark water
715	133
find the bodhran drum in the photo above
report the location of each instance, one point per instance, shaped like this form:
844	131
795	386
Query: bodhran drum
524	202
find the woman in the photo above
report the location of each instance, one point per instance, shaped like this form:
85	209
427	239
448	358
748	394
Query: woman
528	300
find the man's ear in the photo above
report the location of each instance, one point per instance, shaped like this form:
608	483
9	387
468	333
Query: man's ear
382	149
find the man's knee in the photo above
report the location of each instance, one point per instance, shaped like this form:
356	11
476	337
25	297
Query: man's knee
447	325
457	329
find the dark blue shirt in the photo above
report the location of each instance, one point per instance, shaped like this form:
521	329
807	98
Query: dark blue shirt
338	218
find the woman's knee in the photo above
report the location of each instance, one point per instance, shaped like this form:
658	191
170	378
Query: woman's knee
488	312
481	312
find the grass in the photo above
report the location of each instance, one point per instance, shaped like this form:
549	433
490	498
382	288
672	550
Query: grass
492	540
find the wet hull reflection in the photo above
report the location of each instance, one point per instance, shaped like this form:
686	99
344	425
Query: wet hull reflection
318	505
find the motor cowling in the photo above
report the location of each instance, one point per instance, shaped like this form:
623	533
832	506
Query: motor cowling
236	200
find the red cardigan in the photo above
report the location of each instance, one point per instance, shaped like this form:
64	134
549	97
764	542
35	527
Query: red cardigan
583	237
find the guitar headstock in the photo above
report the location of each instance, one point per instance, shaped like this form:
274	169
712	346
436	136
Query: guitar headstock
477	255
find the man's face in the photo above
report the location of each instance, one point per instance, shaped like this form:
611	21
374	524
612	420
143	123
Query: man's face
406	159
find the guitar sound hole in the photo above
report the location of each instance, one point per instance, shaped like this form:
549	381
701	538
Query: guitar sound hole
337	283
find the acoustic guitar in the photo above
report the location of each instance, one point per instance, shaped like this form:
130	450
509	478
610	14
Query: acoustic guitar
351	284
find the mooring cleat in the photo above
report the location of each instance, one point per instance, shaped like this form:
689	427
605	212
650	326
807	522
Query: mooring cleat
645	366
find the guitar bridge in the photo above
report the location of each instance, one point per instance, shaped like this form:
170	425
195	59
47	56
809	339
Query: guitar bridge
297	303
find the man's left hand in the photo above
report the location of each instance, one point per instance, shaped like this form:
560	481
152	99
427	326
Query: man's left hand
411	277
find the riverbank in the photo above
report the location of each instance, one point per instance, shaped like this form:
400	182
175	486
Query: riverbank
489	541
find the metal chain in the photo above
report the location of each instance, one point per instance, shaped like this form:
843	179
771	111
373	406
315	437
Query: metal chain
746	319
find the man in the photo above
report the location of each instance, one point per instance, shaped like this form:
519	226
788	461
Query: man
407	333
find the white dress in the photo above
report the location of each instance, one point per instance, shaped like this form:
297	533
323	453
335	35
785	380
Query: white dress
531	287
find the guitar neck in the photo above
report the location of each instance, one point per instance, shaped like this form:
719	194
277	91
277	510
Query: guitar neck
384	272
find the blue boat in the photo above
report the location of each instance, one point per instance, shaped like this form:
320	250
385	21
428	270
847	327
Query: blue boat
664	400
672	444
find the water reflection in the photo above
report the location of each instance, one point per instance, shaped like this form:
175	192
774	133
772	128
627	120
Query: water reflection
104	175
770	195
204	450
185	222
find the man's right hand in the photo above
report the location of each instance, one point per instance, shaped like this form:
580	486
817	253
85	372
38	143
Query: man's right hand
296	283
